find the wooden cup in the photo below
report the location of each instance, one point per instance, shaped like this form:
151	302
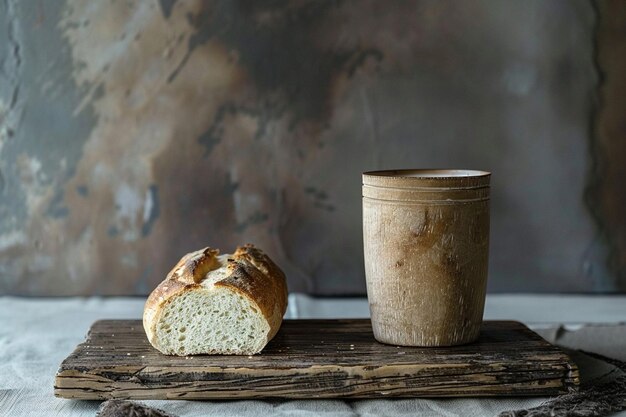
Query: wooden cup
426	245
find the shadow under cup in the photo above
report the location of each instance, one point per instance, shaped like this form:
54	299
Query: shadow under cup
426	246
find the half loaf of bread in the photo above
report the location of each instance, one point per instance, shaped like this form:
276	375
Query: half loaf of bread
217	304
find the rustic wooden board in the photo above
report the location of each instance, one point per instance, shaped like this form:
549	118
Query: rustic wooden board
316	359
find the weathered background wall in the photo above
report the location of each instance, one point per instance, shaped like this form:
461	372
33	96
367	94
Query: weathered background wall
133	132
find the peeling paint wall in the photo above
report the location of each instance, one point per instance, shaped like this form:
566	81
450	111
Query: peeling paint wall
133	132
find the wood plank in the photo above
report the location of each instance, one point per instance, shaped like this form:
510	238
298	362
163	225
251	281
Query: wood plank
316	359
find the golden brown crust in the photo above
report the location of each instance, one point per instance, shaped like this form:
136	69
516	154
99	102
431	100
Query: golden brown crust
251	273
183	277
193	267
256	276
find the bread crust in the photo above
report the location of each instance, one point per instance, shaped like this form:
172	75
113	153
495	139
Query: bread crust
251	273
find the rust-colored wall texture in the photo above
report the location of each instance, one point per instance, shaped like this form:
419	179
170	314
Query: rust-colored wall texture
133	132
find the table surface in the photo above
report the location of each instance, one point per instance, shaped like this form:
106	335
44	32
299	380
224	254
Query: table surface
36	334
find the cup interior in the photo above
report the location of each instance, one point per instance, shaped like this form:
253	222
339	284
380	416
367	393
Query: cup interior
429	173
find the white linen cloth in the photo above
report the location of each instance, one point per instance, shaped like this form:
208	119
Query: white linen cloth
36	334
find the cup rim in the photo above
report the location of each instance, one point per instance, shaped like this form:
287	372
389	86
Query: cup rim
422	173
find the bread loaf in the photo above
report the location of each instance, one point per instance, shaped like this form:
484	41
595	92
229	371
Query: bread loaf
217	304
